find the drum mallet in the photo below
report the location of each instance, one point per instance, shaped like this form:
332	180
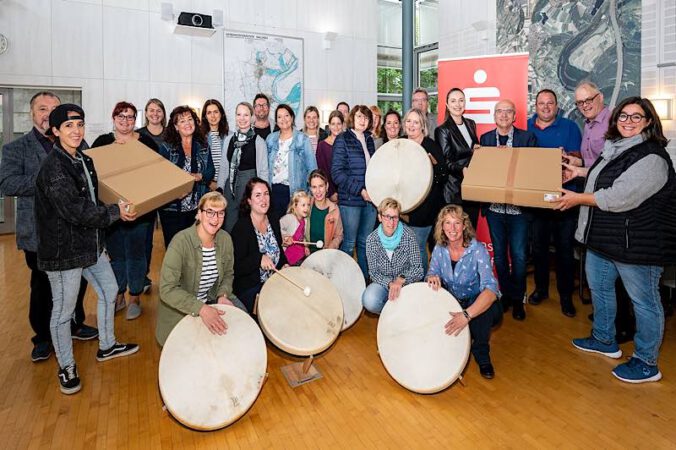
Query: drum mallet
306	289
319	244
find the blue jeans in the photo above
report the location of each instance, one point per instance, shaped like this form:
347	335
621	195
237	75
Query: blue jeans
374	298
509	233
127	246
421	236
358	223
642	285
65	285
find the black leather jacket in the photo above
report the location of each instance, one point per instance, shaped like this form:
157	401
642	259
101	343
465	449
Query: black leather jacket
456	153
67	220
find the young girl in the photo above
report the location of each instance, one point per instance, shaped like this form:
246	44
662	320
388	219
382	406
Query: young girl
293	227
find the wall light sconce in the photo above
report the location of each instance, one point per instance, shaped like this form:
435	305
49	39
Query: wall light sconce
663	108
329	37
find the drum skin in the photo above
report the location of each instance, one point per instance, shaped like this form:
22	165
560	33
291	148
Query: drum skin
402	170
208	381
412	343
297	324
346	276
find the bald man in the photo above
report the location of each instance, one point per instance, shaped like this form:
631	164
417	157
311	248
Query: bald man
508	224
589	101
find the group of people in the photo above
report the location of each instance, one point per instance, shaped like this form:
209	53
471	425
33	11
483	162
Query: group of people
263	192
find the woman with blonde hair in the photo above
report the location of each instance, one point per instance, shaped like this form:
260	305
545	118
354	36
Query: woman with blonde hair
461	265
311	127
393	258
198	271
375	126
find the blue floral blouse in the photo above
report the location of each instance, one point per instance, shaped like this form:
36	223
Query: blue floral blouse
267	244
473	272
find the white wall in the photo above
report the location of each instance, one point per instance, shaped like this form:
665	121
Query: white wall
658	46
122	50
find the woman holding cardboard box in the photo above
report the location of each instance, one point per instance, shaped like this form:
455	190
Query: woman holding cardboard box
127	241
627	216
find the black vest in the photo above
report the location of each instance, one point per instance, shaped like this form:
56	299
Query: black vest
645	234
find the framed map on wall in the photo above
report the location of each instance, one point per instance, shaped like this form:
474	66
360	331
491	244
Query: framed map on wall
255	62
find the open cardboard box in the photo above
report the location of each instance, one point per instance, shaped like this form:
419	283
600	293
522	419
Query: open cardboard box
134	173
523	176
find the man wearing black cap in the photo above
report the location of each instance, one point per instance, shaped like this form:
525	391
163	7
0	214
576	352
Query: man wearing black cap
69	222
20	163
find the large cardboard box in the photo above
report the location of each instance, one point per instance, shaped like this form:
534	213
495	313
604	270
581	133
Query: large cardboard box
523	176
134	173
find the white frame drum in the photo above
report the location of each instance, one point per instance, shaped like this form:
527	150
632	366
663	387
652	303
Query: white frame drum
412	342
346	276
209	381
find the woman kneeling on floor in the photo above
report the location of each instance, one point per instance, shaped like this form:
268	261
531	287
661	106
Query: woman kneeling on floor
461	265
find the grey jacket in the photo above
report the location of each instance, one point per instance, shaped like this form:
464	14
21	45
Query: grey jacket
19	167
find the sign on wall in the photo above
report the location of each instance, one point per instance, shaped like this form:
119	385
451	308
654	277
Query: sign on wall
255	62
486	80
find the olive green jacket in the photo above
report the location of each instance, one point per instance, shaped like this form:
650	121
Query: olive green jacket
180	278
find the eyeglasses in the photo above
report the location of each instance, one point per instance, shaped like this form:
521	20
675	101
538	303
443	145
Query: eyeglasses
260	105
125	118
587	101
389	218
211	213
506	112
635	118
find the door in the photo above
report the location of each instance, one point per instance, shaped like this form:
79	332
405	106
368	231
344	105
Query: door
7	204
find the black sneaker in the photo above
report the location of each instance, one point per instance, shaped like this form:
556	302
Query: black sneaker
116	351
85	333
70	381
41	351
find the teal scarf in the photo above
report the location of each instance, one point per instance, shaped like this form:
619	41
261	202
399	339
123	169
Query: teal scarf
390	242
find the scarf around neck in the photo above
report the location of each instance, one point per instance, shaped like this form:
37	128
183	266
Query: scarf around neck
239	141
391	242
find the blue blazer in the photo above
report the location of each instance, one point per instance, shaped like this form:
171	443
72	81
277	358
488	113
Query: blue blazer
522	138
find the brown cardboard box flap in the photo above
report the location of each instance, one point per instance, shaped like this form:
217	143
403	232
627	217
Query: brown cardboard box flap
132	172
523	176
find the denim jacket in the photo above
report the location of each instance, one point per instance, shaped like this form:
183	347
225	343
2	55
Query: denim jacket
473	272
66	218
302	160
205	166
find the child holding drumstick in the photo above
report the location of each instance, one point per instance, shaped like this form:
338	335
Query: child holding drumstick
293	227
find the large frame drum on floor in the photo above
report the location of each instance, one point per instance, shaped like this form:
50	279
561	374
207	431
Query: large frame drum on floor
402	170
299	324
412	343
208	381
346	276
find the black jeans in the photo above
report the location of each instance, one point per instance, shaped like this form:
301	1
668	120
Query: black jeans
480	330
173	222
40	307
562	226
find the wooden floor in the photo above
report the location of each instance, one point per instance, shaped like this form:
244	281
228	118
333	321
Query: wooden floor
546	394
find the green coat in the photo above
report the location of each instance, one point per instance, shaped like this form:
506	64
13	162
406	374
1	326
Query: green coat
180	278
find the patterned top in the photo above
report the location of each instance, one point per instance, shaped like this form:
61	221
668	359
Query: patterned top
209	273
215	147
405	259
503	208
267	244
280	172
472	274
190	201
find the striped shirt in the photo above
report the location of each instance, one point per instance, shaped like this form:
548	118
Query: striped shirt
215	147
209	273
